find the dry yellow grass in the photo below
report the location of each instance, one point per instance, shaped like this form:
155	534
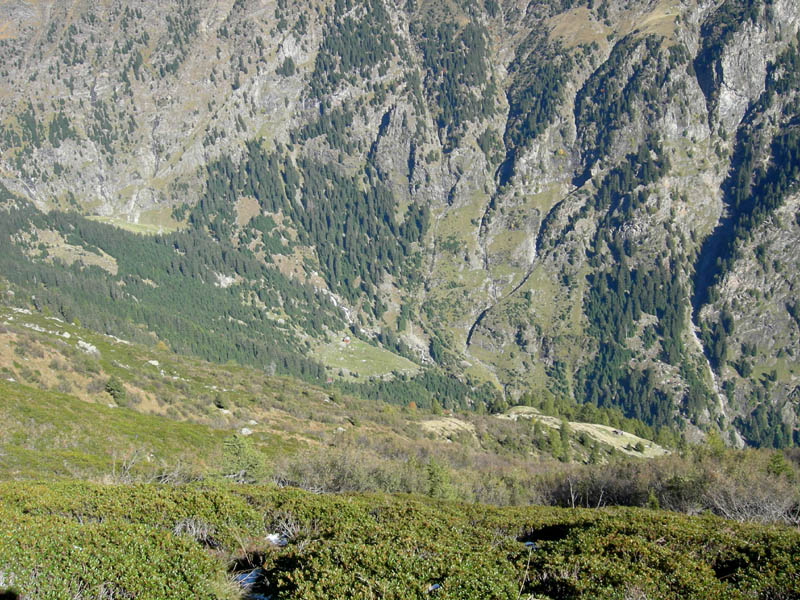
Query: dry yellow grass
6	32
246	208
447	426
659	21
621	440
577	26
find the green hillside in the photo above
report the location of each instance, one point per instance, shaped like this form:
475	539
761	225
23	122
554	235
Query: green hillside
86	405
364	299
150	453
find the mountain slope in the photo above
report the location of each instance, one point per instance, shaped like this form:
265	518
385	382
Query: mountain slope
560	199
82	405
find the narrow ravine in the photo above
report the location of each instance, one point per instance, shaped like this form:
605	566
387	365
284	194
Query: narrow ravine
532	264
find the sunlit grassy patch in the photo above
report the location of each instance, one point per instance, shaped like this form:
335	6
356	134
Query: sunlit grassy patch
356	356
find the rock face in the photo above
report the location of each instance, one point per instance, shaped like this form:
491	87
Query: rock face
606	191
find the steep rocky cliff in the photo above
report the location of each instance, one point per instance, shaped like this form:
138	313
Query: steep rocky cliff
578	200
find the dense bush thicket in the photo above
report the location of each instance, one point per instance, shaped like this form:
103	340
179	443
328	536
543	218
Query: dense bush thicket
749	485
68	539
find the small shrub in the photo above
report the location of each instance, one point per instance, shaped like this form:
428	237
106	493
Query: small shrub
64	387
95	386
196	529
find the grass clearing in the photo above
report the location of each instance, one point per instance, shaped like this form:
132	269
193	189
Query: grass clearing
577	26
247	207
546	200
151	222
55	246
659	21
447	426
507	242
462	221
362	358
